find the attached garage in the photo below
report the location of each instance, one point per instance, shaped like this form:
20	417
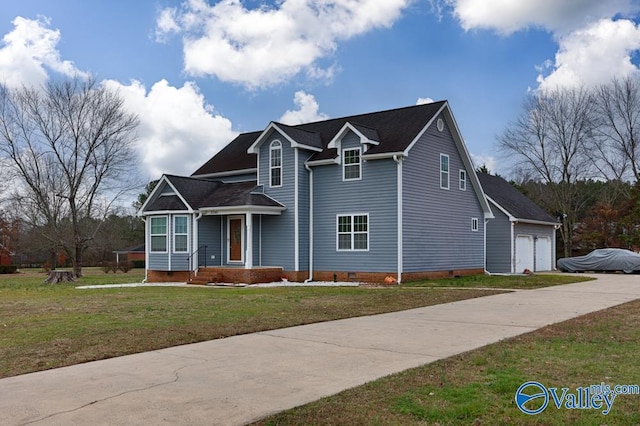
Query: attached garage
522	235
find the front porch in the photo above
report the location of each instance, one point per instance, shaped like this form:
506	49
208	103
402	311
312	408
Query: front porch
227	274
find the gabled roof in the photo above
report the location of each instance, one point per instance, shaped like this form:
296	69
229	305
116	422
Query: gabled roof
394	129
196	194
513	202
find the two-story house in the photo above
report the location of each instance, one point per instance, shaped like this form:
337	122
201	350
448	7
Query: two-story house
389	193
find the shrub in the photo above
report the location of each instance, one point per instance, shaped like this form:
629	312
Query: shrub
138	264
108	267
8	269
126	266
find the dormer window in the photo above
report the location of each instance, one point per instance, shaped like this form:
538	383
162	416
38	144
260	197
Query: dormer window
275	164
351	164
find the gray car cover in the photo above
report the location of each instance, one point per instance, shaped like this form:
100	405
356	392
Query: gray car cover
610	259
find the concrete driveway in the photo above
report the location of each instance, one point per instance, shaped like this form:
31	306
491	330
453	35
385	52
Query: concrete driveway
236	380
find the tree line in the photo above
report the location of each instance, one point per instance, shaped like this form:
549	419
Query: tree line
576	153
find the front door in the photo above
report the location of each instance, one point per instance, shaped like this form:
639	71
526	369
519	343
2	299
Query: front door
235	239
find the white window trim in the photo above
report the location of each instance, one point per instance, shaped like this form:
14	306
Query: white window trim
165	235
352	232
462	181
475	224
345	165
271	166
173	248
442	186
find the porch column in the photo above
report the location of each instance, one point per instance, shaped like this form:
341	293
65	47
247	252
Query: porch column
248	263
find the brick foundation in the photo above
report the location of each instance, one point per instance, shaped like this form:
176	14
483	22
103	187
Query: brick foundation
379	277
265	275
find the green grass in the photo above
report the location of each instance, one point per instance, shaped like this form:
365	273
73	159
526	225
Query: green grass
479	387
46	326
502	281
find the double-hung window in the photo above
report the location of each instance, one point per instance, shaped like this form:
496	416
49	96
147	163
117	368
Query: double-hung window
444	171
275	164
463	180
353	232
158	234
351	164
180	234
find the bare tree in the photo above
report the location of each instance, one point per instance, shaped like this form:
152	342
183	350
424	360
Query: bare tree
70	149
550	142
618	108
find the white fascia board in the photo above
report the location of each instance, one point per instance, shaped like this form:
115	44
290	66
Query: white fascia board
166	212
154	195
536	222
267	210
502	209
335	142
383	155
424	129
254	148
326	162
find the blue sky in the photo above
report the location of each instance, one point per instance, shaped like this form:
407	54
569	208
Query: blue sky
199	72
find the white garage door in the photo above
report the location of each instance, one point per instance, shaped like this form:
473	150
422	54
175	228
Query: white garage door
524	253
543	254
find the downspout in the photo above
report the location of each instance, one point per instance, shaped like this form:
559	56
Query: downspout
310	170
147	247
194	261
486	221
513	250
398	160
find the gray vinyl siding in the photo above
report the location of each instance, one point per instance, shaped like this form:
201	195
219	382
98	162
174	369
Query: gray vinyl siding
375	194
437	233
209	235
278	231
499	243
303	209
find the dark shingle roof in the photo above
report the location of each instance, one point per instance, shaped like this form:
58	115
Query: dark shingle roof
202	193
513	201
232	157
395	129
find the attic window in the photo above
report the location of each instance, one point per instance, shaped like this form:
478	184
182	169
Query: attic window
440	124
275	164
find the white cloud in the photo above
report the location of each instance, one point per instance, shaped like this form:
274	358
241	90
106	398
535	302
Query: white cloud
557	16
268	45
422	101
595	42
484	160
29	52
178	130
594	55
307	111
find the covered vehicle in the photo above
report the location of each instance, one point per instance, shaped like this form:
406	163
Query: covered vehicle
609	259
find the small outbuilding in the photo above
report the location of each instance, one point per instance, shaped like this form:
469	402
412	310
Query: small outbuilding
522	236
